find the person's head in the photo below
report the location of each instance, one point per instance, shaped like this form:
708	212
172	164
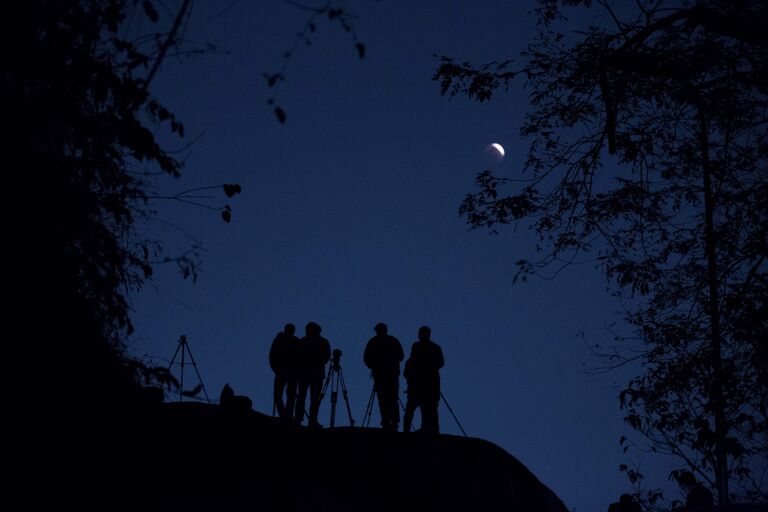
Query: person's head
381	329
625	500
289	329
686	480
313	329
424	333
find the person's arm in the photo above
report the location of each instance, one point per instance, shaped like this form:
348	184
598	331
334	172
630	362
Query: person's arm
440	359
400	353
273	354
326	351
367	354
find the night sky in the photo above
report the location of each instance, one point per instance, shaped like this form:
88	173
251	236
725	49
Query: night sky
348	217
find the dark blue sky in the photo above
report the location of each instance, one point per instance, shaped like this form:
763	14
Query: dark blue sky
348	217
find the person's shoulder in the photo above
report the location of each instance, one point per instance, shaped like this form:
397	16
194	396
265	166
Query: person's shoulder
702	489
700	496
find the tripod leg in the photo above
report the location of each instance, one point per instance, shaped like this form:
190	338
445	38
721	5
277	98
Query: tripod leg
176	352
346	399
369	409
181	385
194	365
334	399
173	359
452	414
325	384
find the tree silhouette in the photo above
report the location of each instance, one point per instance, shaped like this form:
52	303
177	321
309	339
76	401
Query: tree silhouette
333	12
82	155
649	142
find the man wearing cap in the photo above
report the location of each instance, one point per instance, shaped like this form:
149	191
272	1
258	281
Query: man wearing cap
383	354
282	360
697	496
314	352
422	372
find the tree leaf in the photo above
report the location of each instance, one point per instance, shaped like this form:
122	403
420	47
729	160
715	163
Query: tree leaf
280	113
150	10
231	189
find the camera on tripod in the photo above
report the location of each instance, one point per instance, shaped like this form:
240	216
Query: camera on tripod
334	380
336	358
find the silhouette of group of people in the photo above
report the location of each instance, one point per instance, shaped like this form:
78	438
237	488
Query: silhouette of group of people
697	497
299	367
625	504
422	372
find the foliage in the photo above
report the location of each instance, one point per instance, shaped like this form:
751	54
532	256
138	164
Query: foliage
83	153
333	12
649	144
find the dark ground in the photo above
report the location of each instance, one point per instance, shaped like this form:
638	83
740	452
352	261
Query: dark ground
195	455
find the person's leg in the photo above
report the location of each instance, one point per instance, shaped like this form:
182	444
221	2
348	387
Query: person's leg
429	418
315	387
277	396
380	386
290	402
395	411
301	400
390	412
410	408
390	408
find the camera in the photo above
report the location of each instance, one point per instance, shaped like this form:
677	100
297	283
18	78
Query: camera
336	357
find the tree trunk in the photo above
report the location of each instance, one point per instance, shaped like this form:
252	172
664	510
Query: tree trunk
718	404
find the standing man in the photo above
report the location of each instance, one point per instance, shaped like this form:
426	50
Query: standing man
697	496
282	360
422	371
625	504
314	352
383	354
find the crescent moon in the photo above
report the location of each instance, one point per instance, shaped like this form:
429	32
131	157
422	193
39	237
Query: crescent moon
498	147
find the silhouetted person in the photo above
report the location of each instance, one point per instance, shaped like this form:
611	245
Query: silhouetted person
628	504
383	354
625	504
697	496
314	352
283	359
422	371
228	400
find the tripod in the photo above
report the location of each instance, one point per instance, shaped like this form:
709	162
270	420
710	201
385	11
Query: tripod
335	379
183	347
452	414
369	408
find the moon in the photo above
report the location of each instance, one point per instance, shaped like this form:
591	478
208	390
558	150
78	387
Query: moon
494	152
